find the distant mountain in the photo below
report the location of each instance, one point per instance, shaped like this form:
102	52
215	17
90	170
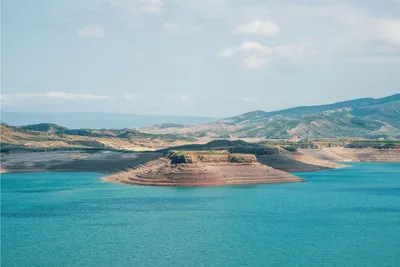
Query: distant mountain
77	120
366	117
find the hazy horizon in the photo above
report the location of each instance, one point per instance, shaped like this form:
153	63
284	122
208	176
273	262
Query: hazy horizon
11	111
100	120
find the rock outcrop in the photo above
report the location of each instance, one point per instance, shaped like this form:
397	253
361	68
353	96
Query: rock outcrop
203	169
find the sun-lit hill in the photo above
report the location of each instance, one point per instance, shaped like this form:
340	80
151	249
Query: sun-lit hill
363	118
46	136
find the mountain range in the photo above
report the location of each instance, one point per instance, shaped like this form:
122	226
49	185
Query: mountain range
360	118
364	118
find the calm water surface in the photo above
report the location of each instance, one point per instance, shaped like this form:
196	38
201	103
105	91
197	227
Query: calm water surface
347	217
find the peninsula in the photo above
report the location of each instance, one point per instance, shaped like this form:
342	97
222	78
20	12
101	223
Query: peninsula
203	168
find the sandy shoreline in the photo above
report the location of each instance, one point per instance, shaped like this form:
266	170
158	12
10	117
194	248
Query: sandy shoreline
101	162
340	154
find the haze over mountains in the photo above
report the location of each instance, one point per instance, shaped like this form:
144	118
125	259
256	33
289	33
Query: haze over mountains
366	117
95	120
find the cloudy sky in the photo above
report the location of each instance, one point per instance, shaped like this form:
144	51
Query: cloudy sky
191	57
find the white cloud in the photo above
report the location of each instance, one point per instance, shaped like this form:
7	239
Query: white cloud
255	47
153	6
253	55
247	47
52	95
258	27
254	63
388	30
70	96
91	31
343	28
352	23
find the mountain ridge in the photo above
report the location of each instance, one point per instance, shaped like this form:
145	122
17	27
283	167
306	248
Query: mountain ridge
364	117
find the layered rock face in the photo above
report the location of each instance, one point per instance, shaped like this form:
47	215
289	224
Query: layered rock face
220	156
203	169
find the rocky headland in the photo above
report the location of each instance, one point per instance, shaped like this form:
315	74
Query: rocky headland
203	168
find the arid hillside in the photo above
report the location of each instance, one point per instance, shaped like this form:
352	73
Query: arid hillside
45	136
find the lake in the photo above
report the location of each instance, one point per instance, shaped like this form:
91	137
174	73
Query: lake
345	217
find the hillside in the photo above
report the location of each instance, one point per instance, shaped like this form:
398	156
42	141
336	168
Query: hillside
366	118
47	136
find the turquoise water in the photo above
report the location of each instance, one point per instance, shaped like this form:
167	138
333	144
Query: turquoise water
347	217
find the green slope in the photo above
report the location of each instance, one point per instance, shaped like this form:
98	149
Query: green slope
366	117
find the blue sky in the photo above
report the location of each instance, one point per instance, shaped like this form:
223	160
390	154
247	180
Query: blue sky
185	57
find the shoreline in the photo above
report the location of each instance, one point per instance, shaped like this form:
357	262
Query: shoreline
127	165
75	161
15	171
341	154
202	185
161	172
49	171
111	177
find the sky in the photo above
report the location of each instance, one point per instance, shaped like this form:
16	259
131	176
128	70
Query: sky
213	58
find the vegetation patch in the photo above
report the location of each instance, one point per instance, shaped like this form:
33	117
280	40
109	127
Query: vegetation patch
374	144
238	146
192	157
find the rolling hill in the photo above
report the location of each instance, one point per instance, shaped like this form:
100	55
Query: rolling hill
365	118
46	136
